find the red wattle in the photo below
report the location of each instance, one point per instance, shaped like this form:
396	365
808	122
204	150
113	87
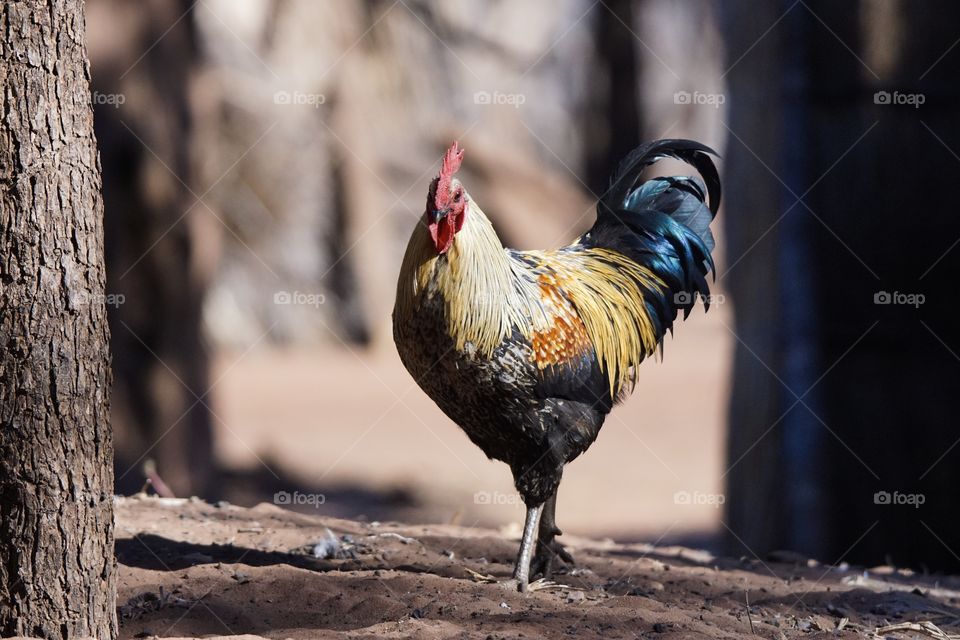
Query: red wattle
444	236
443	230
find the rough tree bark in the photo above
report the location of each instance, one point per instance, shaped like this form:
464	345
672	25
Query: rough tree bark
56	479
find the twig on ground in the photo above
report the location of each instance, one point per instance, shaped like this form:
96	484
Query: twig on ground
746	597
926	627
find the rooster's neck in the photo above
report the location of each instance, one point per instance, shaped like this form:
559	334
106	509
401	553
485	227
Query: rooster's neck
477	280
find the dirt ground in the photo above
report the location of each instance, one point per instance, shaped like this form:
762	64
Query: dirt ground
192	569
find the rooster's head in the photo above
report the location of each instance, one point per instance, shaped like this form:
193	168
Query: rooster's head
446	202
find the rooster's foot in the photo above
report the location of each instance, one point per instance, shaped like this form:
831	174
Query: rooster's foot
545	558
512	584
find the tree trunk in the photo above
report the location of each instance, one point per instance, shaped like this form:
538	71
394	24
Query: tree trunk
56	479
613	118
843	441
753	200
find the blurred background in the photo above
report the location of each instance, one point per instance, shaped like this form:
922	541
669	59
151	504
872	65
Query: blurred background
264	162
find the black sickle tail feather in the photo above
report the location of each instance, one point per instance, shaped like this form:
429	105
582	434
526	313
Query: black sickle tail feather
663	224
628	173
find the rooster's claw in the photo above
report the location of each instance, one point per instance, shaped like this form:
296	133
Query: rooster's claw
543	561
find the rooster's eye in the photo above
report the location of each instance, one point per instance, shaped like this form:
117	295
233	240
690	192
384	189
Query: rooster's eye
457	196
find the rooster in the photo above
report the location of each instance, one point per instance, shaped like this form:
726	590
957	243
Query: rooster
528	351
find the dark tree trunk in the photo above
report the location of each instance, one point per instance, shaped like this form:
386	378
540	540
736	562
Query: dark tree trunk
753	203
56	480
839	475
613	121
891	400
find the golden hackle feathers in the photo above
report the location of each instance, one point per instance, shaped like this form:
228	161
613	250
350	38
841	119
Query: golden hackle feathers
550	297
483	299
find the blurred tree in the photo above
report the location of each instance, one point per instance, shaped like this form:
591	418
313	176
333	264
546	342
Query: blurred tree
850	107
755	510
56	507
161	246
613	111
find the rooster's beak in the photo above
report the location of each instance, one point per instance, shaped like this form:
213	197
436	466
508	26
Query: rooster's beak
439	214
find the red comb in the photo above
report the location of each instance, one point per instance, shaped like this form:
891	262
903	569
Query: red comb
451	164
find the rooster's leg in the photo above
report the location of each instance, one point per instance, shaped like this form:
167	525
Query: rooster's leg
548	549
521	572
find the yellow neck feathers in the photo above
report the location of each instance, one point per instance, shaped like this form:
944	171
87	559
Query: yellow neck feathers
476	279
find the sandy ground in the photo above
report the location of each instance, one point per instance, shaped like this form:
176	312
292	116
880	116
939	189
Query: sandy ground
191	569
355	428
